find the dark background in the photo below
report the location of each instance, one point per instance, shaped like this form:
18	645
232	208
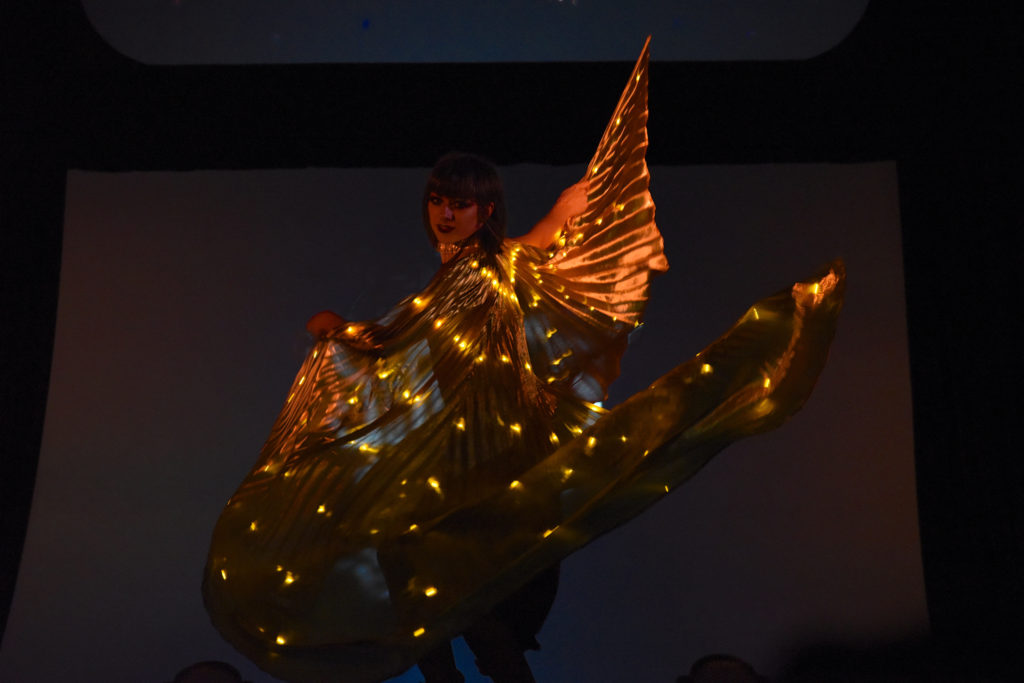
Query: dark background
928	85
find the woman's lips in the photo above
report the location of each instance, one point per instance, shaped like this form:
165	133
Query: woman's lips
445	228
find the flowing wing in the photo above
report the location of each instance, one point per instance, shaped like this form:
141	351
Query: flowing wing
583	294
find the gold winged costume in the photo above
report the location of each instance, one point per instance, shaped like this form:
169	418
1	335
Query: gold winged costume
428	464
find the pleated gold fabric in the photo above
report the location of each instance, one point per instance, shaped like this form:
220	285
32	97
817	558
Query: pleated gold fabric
426	465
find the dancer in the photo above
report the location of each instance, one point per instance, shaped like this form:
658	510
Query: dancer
430	464
464	210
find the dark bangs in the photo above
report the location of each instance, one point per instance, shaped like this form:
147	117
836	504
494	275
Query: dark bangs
467	176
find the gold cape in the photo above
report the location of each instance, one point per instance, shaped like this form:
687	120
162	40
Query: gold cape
426	465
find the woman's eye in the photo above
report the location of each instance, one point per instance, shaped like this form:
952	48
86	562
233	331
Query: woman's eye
436	201
461	204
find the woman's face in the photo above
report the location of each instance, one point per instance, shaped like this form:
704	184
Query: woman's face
452	219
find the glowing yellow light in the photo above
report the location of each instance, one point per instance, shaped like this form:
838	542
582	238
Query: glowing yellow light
321	510
814	288
367	448
289	578
618	120
374	531
645	453
705	369
414	527
638	78
591	442
599	221
383	374
224	574
505	359
460	424
279	568
252	526
434	484
576	430
474	264
353	400
418	302
406	394
550	333
623	437
481	358
516	428
350	330
553	438
430	592
290	398
419	632
439	322
756	315
280	640
566	473
516	484
301	380
529	368
666	488
315	352
594	170
462	344
457	337
549	532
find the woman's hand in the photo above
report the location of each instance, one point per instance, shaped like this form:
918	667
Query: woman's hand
572	202
323	323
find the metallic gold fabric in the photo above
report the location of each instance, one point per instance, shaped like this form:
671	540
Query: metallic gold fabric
426	465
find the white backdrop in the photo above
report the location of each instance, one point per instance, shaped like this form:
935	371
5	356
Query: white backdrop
182	306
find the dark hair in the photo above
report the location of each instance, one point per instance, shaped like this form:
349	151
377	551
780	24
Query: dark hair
467	176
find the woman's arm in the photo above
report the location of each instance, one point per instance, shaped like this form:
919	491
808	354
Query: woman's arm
572	202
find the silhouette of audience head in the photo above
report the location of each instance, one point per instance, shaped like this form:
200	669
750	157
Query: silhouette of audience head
721	668
209	672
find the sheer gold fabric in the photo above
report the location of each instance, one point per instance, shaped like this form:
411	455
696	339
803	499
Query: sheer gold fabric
427	464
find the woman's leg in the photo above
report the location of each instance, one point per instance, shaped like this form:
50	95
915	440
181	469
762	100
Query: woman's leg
500	638
438	666
498	652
